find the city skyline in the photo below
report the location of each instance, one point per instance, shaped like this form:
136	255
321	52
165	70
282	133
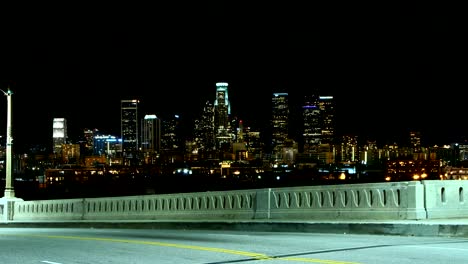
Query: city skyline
389	72
78	124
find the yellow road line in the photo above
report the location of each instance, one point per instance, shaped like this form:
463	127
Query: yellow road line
211	249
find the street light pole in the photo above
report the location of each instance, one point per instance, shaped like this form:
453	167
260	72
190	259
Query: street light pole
9	190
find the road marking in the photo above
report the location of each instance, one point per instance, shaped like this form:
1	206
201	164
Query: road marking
253	255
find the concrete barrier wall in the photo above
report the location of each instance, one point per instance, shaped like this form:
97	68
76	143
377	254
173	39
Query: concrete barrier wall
183	206
446	199
377	201
70	209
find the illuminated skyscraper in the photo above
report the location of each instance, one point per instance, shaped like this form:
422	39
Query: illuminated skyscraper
129	129
279	121
318	122
170	137
59	135
204	131
172	145
150	135
88	143
312	127
327	108
222	112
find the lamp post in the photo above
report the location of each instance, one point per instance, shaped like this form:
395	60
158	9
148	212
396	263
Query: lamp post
9	190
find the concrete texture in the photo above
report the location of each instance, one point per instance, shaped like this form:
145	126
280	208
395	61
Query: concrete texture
442	227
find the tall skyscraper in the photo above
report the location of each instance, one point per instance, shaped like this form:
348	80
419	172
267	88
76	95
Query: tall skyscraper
129	130
312	124
88	143
59	135
204	131
172	144
222	112
170	136
150	135
327	108
279	121
318	122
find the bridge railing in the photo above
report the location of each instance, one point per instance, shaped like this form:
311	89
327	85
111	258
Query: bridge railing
411	200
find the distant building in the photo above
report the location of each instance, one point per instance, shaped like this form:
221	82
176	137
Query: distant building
71	153
349	151
170	137
150	137
312	124
222	112
88	144
59	135
172	148
108	146
204	132
129	117
415	141
280	123
328	121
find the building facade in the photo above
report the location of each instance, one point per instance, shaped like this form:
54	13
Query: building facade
280	123
59	135
222	112
129	117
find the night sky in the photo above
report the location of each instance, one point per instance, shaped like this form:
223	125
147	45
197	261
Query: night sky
391	68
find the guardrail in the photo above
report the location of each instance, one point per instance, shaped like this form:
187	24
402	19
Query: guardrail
411	200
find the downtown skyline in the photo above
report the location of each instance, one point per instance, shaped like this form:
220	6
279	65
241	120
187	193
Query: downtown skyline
389	72
260	118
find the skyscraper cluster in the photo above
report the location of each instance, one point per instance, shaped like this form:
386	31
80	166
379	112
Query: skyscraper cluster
216	134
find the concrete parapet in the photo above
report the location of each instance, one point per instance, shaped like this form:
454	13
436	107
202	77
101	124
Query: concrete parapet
377	201
413	200
446	199
68	209
7	210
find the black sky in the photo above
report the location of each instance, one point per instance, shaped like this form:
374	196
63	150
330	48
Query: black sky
391	68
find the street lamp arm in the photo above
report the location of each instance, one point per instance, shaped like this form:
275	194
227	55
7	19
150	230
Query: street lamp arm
7	93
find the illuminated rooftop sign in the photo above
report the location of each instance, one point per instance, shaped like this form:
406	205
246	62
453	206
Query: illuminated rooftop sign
151	117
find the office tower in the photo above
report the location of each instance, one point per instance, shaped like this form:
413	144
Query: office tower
172	150
318	122
415	140
327	108
204	131
280	122
222	112
129	130
89	135
170	136
312	124
255	144
150	137
59	135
